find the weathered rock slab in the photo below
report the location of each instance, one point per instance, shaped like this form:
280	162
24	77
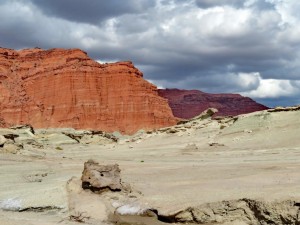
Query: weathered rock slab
98	177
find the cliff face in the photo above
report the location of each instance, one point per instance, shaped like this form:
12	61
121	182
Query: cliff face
65	88
190	103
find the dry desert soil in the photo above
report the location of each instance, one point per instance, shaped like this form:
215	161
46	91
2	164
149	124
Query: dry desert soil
242	170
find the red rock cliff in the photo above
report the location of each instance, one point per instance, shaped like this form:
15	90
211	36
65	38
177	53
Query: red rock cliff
190	103
65	88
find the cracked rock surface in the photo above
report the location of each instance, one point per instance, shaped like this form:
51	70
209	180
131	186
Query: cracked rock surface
98	177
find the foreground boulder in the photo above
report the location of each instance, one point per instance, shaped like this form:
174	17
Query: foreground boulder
101	177
65	88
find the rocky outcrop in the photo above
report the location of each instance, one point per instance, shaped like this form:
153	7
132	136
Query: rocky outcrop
242	211
285	109
91	136
13	139
65	88
187	104
98	177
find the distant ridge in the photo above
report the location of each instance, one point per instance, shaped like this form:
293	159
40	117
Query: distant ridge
187	104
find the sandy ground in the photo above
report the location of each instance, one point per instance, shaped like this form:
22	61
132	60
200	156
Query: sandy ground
257	157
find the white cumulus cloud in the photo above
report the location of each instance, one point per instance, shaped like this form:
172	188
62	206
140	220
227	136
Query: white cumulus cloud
274	88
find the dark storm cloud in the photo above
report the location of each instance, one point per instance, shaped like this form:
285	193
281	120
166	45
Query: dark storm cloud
212	3
263	5
247	46
15	31
22	26
260	4
92	11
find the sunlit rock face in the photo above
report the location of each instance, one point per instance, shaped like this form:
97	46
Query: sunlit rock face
66	88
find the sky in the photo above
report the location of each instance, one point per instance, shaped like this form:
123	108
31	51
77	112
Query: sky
251	47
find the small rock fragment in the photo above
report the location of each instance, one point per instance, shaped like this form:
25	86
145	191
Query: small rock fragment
215	144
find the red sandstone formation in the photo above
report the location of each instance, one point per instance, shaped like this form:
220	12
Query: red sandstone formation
65	88
190	103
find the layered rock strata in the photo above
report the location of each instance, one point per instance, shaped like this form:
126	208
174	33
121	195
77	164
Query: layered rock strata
190	103
65	88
